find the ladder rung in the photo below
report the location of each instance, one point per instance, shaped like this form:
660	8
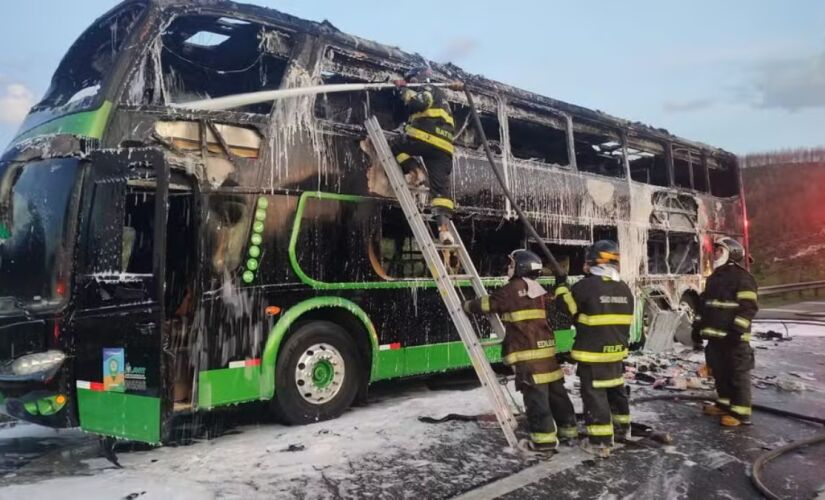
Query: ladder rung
451	246
460	276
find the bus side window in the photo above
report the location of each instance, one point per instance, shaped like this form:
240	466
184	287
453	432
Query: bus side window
647	162
138	232
226	228
466	134
353	108
538	137
394	253
689	169
723	177
598	150
204	57
490	242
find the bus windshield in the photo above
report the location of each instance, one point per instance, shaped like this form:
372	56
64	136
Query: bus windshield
37	215
80	78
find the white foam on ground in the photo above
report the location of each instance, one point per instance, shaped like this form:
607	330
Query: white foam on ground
252	463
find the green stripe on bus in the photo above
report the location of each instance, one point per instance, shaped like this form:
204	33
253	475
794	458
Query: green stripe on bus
431	358
86	123
228	386
417	360
118	414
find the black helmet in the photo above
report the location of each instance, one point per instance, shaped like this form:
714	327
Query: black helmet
420	73
525	264
602	252
732	251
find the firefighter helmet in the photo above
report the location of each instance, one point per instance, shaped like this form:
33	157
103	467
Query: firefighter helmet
420	74
732	251
602	252
524	264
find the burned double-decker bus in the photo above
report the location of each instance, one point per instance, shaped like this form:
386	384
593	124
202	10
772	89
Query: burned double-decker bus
157	260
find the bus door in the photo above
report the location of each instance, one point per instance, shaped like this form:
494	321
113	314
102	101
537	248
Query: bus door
121	368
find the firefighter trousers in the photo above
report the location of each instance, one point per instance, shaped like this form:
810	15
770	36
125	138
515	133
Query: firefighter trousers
439	165
731	362
550	413
605	400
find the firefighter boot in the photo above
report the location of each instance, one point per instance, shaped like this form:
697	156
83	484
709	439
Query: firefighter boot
713	410
731	421
599	450
540	448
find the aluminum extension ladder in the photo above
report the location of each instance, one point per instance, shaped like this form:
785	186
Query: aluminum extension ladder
446	281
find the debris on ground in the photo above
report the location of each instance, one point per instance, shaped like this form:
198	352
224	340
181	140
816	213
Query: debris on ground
294	447
679	370
790	385
772	335
804	375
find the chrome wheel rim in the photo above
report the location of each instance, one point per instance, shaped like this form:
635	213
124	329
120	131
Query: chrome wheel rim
319	373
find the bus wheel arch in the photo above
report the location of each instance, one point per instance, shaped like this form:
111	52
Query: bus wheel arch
334	326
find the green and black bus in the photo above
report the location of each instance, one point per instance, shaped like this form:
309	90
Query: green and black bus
156	260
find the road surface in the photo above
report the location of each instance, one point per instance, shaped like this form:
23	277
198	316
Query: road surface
382	451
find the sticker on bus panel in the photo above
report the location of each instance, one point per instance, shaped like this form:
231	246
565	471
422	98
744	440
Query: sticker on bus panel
113	364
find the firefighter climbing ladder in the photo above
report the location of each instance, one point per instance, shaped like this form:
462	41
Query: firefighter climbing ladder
447	282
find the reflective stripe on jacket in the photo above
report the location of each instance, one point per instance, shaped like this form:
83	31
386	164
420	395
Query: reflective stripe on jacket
602	311
529	344
431	119
728	304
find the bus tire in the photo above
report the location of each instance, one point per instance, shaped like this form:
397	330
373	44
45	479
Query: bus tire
317	375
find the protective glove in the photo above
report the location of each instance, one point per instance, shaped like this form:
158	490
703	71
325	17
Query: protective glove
400	83
466	305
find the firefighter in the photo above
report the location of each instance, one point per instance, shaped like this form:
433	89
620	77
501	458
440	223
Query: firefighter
529	347
428	134
726	309
601	306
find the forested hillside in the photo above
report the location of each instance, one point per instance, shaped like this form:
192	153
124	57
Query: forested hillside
785	193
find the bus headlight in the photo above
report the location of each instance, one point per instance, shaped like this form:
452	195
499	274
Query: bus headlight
38	362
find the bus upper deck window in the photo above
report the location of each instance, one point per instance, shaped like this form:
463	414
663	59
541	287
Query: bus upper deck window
80	76
206	57
353	108
689	168
598	150
723	175
647	162
538	137
466	134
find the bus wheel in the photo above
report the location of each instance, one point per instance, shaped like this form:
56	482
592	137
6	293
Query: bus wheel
317	374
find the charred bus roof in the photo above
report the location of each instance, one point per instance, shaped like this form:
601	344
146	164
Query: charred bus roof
378	51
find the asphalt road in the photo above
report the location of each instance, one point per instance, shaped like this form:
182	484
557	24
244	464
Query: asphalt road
382	451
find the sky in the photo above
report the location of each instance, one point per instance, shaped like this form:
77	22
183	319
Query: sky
742	75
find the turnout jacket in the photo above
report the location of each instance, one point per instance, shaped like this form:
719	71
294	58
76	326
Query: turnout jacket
602	311
430	120
727	306
529	344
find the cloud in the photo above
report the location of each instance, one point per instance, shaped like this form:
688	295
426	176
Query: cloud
458	48
688	105
15	101
791	83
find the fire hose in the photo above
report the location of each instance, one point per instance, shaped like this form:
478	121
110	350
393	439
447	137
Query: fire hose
758	465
